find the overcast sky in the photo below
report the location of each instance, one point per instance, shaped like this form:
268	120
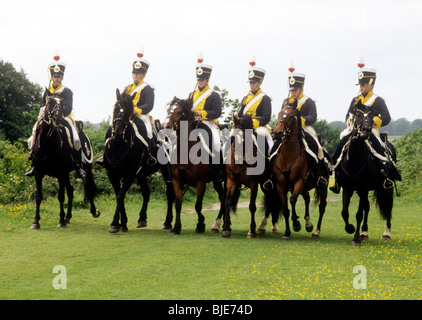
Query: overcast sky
98	41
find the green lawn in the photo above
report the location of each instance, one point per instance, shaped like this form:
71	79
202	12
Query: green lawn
150	264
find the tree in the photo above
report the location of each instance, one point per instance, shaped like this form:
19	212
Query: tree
19	103
330	135
228	106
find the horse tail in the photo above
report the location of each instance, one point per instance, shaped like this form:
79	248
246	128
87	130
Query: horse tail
272	203
235	199
90	188
384	199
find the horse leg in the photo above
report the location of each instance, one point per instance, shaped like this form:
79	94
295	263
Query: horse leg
142	221
178	192
215	228
170	200
322	206
308	224
365	206
69	190
293	201
286	212
90	191
114	226
386	235
38	198
231	188
347	195
252	209
200	191
359	217
62	184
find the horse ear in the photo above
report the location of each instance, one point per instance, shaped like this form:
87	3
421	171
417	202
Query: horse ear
48	92
118	94
236	120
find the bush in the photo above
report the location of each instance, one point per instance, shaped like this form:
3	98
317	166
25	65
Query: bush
409	161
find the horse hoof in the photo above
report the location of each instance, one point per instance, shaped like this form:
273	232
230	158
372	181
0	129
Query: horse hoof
315	235
96	214
296	226
200	228
226	234
363	237
251	235
61	225
141	224
214	231
66	221
114	229
285	238
309	228
350	229
174	233
124	229
166	227
386	237
261	231
275	230
35	226
355	243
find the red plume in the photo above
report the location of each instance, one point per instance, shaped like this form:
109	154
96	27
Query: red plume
252	62
200	57
291	66
56	56
361	63
140	54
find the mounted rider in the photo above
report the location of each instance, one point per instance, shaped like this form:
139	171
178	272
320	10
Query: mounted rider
376	104
56	71
143	97
207	107
308	114
258	105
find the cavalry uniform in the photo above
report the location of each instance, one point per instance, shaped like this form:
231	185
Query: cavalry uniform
142	97
381	118
208	102
57	69
258	105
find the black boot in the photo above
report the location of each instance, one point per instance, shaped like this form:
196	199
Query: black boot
267	176
388	183
335	188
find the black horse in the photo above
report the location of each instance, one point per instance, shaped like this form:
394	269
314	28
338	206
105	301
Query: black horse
125	158
358	170
53	155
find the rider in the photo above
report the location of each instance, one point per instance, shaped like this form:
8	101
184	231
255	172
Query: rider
308	114
143	101
56	73
382	118
206	104
258	105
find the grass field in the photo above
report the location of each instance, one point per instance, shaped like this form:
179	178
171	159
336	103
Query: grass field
150	264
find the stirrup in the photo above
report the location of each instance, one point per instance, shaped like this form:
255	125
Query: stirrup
268	185
322	182
30	173
151	161
388	183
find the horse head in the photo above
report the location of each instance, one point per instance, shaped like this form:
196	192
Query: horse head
178	110
53	110
245	122
363	120
288	119
122	113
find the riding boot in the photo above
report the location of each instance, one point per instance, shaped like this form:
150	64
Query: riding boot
151	161
336	187
100	162
267	176
77	159
322	171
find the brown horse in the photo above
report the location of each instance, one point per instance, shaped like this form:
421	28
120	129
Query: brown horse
291	171
245	154
185	168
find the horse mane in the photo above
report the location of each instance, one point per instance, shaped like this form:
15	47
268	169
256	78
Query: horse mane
127	104
185	104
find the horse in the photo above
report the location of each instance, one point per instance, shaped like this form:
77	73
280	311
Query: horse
358	170
125	159
189	172
53	155
291	172
244	149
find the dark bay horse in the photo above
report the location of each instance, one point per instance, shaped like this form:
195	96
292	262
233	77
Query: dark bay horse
53	155
358	170
291	172
185	168
246	153
125	159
